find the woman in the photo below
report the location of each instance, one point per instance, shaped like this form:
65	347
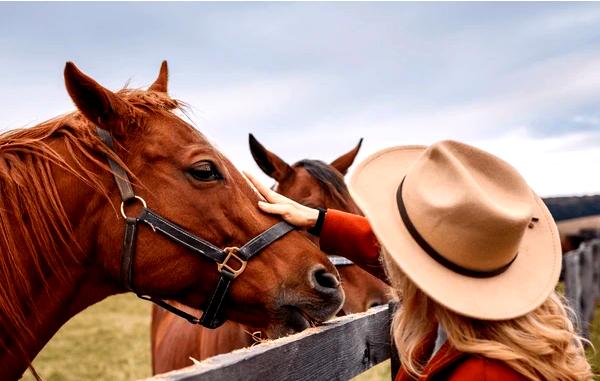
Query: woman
471	251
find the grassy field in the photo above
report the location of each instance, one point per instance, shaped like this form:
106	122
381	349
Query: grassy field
594	356
107	341
111	341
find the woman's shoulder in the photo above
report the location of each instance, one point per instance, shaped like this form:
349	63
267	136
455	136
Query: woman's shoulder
481	368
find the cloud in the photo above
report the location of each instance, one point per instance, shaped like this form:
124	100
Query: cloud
587	120
309	79
249	102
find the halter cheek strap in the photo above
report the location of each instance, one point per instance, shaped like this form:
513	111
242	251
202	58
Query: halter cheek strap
231	261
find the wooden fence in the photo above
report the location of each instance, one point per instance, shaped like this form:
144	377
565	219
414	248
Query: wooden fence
337	350
347	346
581	275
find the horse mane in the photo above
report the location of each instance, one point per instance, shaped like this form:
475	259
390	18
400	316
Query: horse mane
330	180
36	237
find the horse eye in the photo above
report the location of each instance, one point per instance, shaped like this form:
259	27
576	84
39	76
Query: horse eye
205	171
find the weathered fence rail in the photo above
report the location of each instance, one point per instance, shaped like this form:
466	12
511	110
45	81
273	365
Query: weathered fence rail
338	350
347	346
581	274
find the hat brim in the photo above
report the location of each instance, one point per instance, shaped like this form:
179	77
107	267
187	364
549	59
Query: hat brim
524	286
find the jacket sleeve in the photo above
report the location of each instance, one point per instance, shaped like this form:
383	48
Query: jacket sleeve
350	236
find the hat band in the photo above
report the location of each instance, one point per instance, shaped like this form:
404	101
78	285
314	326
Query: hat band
433	253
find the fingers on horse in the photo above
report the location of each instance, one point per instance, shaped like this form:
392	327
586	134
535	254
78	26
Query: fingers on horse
281	209
270	195
251	182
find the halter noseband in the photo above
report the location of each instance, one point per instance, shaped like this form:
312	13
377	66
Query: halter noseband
231	261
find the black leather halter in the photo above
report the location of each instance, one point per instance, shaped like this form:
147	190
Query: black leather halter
211	317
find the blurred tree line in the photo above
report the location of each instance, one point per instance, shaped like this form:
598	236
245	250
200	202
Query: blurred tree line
565	208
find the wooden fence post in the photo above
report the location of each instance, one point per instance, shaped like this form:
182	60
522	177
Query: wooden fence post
394	356
588	293
596	260
573	283
582	283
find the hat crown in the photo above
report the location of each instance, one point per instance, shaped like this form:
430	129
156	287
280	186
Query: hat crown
471	207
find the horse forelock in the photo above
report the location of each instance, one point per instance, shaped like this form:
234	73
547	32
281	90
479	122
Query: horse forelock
151	100
330	180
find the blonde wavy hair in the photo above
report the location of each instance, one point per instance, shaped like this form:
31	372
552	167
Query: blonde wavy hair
540	345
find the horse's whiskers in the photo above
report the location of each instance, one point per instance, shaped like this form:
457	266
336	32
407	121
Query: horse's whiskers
256	337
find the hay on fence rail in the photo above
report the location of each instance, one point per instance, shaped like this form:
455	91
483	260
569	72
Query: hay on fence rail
361	351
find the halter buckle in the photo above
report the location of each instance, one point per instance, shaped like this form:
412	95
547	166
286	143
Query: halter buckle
232	253
136	198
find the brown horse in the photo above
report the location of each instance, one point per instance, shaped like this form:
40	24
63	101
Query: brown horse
310	182
61	231
317	184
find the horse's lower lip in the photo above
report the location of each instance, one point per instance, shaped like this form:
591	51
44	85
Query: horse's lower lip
297	319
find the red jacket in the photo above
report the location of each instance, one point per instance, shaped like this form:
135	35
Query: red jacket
351	236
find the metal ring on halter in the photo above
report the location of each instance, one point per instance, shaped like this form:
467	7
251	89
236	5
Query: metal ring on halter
135	198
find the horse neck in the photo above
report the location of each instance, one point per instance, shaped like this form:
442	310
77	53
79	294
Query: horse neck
57	295
55	307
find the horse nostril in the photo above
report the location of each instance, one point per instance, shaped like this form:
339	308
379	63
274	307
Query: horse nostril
324	281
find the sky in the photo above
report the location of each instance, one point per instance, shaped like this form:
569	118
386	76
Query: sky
521	80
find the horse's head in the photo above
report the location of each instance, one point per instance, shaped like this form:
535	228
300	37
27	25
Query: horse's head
310	182
187	180
317	184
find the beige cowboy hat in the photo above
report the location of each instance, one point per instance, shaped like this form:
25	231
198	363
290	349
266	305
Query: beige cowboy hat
463	225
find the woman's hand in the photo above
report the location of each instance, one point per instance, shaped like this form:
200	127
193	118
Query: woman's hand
291	211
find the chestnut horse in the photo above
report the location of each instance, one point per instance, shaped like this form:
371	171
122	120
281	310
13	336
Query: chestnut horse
61	232
312	183
317	184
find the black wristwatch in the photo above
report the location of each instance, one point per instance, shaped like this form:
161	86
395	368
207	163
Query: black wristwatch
316	230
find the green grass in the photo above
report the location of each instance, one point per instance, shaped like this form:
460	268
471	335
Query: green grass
379	372
594	355
107	341
111	341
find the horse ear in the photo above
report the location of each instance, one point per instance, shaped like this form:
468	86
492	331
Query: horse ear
97	104
271	164
344	162
162	81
